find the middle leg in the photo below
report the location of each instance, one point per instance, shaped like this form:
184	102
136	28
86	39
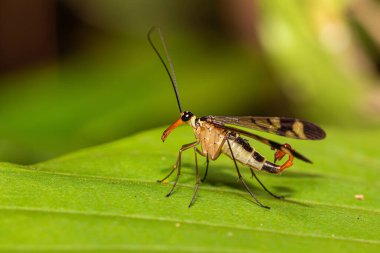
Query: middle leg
196	176
207	163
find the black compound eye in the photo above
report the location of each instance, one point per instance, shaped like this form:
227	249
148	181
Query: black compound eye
186	116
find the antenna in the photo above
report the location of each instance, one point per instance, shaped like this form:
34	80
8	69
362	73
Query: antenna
170	72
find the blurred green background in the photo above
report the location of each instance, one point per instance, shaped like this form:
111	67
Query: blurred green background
79	73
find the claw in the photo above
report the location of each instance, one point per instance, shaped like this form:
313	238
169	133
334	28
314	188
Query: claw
278	155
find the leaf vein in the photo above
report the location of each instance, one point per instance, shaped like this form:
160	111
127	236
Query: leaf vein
190	222
218	190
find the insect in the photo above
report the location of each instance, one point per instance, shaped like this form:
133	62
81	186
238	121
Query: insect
218	135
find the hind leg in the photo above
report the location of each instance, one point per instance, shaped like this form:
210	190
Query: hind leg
242	179
263	186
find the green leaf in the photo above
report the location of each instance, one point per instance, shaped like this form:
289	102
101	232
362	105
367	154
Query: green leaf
106	198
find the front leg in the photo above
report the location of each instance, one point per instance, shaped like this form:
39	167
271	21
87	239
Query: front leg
183	148
178	164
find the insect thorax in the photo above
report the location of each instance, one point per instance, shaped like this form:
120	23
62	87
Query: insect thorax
210	137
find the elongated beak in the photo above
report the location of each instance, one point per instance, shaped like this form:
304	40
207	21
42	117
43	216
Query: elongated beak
177	123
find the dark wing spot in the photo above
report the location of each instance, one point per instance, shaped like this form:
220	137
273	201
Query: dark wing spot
313	132
286	125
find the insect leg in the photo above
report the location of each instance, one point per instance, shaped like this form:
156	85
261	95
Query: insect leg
207	163
196	176
262	185
172	170
178	164
170	173
242	180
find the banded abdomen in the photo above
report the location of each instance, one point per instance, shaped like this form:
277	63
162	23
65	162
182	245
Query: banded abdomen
247	155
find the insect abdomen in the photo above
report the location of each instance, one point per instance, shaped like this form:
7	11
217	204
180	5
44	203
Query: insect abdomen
247	155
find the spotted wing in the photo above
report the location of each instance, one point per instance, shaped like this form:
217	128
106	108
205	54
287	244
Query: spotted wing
288	127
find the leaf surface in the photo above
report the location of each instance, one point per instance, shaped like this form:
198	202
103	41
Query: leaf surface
106	198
